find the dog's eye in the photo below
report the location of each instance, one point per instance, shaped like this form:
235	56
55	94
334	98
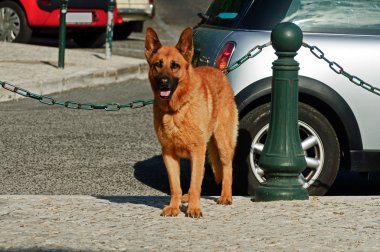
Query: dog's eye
174	65
158	64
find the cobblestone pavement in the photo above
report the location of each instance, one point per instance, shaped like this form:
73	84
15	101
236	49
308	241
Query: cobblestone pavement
132	223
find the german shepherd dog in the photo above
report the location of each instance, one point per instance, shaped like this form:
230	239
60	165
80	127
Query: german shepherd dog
194	110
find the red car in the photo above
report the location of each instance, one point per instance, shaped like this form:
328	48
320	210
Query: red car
86	20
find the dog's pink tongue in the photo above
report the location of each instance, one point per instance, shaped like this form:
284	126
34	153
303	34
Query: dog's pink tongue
165	93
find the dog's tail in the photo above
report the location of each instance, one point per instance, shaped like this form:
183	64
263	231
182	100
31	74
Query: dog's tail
214	159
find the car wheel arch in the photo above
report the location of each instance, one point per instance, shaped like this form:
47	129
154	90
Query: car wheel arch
20	4
23	8
316	94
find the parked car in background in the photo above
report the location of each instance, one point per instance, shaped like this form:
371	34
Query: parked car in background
338	121
131	15
85	20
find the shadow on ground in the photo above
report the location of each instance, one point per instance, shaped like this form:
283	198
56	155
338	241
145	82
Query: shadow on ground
152	172
355	184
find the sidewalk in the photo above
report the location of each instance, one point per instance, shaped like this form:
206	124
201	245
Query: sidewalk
87	223
35	68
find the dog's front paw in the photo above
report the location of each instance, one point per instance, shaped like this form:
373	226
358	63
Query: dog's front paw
170	211
224	200
194	213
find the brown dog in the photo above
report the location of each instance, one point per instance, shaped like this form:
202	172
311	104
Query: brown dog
194	110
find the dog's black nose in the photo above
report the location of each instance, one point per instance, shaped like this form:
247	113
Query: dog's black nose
164	80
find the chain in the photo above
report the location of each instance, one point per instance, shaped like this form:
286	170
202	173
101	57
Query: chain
249	55
116	106
73	104
142	103
339	70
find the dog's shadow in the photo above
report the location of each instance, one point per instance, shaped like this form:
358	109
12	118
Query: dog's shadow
152	172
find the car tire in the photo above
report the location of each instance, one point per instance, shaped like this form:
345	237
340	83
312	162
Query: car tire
90	38
122	31
318	138
14	26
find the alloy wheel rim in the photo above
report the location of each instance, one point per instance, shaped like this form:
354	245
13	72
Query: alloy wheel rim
9	24
311	144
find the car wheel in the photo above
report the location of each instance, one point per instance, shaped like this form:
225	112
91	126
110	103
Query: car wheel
318	140
122	31
13	23
90	38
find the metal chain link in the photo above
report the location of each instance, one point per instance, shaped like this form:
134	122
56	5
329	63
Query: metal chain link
116	106
339	70
249	55
74	104
142	103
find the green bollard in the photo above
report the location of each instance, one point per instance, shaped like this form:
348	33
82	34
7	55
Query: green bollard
111	8
282	158
62	34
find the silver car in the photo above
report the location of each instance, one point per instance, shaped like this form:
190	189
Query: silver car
339	102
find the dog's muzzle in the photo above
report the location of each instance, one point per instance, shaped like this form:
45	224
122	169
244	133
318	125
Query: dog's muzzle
166	86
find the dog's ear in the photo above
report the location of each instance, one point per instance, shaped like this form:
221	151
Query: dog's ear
152	43
185	44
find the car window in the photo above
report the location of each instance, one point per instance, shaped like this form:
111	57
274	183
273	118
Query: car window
246	14
225	13
322	16
343	16
265	14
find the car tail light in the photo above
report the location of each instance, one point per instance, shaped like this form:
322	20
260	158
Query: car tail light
225	55
119	20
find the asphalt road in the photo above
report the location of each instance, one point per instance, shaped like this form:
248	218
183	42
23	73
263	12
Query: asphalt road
54	150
